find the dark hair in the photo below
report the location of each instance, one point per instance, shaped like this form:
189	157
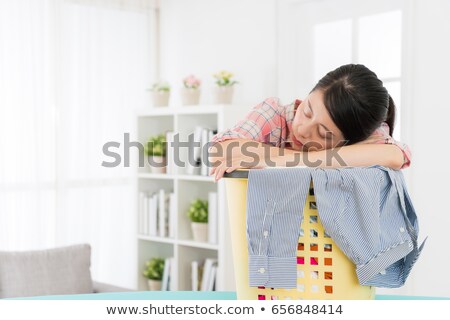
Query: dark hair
357	101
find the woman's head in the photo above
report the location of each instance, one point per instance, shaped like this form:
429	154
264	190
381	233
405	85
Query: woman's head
351	102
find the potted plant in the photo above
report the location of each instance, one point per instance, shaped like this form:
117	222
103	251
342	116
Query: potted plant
154	269
190	93
225	87
198	214
155	149
160	94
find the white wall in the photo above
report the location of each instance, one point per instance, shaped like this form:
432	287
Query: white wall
430	116
206	36
202	37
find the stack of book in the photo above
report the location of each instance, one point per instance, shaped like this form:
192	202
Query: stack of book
157	213
204	276
198	151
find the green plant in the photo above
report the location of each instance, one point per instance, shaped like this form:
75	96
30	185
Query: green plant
198	211
160	86
156	146
154	269
223	79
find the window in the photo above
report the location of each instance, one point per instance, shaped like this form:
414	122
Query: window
327	34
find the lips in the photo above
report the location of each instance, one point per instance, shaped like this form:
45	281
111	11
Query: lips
296	141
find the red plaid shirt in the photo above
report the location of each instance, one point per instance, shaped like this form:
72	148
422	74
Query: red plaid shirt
270	123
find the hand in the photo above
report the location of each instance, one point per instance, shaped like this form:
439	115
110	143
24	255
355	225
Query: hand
236	160
374	139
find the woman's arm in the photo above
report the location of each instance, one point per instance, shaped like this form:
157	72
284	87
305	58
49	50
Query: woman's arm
230	155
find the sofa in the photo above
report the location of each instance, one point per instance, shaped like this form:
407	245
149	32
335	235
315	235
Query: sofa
58	271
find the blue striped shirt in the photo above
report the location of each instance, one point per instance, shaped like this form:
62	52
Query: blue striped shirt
366	211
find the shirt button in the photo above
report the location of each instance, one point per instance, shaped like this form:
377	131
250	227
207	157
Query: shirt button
266	234
402	229
262	270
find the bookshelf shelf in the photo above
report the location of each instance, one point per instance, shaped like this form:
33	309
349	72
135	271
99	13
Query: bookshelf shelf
195	178
156	239
196	244
184	187
156	176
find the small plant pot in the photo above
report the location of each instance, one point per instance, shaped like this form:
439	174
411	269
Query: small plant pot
190	97
154	285
161	98
200	231
157	164
224	94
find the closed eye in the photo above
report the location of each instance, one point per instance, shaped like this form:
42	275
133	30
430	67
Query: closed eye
326	136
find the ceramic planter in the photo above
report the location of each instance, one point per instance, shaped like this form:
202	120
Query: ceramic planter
157	164
154	285
160	98
224	94
190	97
200	231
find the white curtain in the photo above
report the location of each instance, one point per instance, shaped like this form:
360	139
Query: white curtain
72	74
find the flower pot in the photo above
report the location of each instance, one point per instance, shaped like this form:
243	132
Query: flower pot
154	285
200	231
224	94
190	96
160	98
157	164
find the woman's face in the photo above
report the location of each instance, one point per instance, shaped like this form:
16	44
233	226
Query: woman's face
312	127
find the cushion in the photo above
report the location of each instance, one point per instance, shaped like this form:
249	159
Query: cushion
57	271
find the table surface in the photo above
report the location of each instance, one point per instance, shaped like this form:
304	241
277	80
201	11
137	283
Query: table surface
189	295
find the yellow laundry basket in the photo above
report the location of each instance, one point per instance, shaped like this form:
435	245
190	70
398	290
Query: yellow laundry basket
323	270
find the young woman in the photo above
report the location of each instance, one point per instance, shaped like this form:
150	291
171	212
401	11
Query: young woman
346	120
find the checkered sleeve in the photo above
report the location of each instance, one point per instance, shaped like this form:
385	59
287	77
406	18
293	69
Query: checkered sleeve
383	133
257	124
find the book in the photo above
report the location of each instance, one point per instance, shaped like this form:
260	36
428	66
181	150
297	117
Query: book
170	162
194	152
141	222
212	217
166	275
162	213
212	278
153	215
145	215
207	273
194	275
204	171
197	147
172	274
172	214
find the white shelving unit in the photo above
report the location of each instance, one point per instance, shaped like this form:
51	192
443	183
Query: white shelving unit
182	248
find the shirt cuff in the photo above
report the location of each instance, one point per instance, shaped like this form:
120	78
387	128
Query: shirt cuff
272	272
